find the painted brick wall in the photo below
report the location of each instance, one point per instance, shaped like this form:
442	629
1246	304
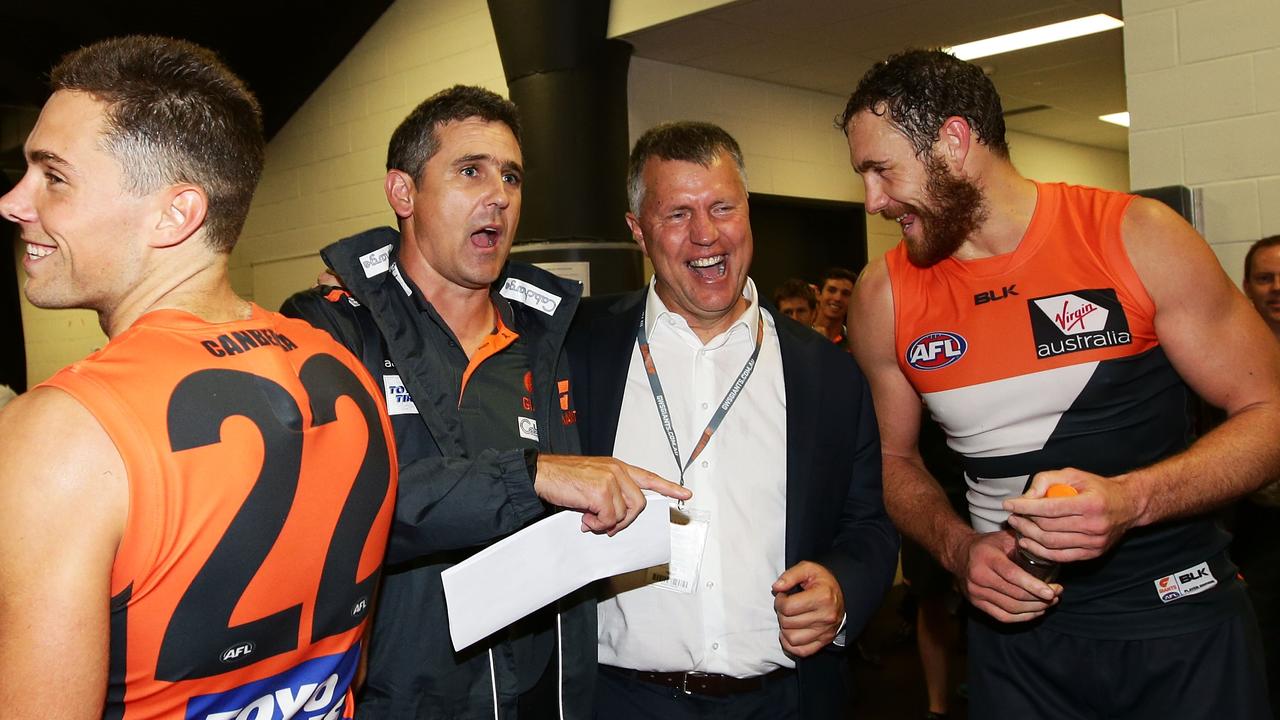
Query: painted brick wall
324	170
1204	97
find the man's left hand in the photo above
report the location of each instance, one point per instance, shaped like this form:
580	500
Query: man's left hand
1080	527
810	608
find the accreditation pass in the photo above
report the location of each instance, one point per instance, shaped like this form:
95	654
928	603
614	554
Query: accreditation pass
689	529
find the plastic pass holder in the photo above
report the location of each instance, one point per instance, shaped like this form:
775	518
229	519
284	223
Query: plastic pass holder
689	528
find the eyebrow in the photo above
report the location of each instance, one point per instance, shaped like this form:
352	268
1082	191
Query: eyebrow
510	165
49	157
866	165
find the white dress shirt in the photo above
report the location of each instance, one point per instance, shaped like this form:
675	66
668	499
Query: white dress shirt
727	625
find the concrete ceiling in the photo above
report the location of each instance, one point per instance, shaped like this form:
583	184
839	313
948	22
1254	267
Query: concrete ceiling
1056	90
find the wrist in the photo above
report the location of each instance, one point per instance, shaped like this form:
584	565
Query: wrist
531	464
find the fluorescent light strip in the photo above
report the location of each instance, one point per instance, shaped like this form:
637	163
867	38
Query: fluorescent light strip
1120	118
1036	36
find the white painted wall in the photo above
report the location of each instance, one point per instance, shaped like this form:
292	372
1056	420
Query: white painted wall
1203	80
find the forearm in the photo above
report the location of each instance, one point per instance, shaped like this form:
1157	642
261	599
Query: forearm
1236	458
920	510
450	503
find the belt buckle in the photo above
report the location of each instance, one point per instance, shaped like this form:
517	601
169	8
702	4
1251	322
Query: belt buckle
684	681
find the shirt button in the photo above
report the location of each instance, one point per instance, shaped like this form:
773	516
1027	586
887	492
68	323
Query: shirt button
704	406
711	583
704	463
715	646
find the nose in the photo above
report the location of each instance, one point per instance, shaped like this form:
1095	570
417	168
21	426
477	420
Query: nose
876	200
703	230
15	205
500	192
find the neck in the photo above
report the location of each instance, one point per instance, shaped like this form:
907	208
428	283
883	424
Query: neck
204	290
707	327
828	326
1010	203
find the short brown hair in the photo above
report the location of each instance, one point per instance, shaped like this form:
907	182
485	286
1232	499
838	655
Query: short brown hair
695	142
175	114
415	141
1265	242
795	288
837	273
919	89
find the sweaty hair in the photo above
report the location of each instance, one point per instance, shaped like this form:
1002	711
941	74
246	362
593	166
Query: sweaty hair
175	114
795	288
1265	242
836	273
689	141
415	141
919	89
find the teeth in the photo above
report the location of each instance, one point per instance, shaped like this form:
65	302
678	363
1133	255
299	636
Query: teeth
38	251
707	262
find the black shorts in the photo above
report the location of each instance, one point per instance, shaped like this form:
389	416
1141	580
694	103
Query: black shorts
1214	673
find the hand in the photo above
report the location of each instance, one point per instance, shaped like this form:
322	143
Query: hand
327	278
810	616
606	490
1068	529
996	585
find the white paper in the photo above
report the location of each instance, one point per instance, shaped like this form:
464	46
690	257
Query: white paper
544	562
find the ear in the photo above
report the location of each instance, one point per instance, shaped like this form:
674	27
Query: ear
182	214
954	138
637	233
400	190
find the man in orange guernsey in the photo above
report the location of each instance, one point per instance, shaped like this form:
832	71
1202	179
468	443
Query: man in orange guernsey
197	512
1052	331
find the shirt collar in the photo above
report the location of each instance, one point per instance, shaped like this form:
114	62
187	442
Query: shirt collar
655	310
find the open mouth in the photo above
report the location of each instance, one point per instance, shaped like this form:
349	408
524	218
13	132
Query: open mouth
906	220
35	252
487	236
708	268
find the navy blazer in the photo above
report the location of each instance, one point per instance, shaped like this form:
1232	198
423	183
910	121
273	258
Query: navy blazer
835	513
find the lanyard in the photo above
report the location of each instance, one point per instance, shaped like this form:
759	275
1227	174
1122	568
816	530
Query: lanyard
664	412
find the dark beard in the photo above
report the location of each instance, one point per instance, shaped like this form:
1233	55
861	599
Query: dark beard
956	209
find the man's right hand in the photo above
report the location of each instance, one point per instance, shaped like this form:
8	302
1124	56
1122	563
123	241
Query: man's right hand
605	490
995	584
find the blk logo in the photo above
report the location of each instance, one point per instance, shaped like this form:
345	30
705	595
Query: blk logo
988	296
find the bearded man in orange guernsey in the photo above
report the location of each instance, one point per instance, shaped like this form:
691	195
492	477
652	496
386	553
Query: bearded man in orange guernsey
1052	331
197	512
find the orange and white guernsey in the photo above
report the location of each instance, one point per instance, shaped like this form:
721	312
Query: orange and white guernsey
1045	358
261	480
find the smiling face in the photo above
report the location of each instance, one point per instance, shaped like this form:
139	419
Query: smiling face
694	225
1263	285
464	211
79	224
833	300
937	209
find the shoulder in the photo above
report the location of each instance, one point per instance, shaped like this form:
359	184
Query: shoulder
331	309
58	458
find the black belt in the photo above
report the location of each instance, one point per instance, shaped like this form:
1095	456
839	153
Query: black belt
700	683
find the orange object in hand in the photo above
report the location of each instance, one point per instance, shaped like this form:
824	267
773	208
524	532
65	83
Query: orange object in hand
1060	490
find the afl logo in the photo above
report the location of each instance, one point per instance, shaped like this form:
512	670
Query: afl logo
936	350
237	652
361	605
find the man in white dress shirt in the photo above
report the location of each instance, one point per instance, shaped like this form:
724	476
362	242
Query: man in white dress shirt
786	544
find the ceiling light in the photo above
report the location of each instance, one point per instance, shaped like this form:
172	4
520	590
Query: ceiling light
1120	118
1036	36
